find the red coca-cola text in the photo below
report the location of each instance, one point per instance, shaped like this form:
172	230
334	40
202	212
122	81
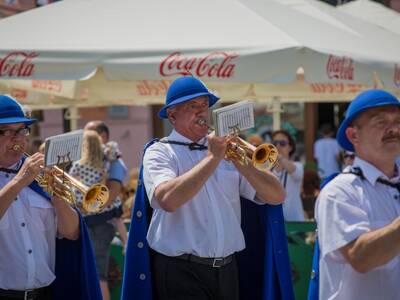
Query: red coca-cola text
340	68
215	64
18	64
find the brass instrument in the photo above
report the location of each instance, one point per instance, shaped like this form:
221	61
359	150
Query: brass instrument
240	150
56	182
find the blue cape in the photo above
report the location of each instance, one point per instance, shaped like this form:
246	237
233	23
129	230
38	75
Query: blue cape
264	268
76	275
313	288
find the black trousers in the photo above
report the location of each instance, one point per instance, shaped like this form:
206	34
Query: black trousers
176	279
45	294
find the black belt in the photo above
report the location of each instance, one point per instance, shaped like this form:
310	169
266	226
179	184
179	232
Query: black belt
215	262
25	295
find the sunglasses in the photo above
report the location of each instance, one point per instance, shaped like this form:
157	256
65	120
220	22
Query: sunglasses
280	143
11	132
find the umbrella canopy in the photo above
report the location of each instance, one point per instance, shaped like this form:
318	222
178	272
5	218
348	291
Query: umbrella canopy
373	12
130	51
224	40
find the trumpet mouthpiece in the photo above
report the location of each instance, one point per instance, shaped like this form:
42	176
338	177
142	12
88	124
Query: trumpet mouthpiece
16	147
202	122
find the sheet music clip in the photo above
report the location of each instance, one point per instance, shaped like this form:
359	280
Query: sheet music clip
236	117
63	149
234	130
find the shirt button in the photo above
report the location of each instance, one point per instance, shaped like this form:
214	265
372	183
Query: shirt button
139	214
142	276
140	245
30	251
23	224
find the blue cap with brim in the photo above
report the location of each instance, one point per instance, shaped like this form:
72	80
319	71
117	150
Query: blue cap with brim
11	112
185	89
365	100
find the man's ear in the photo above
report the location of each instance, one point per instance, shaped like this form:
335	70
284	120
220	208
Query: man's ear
352	135
171	115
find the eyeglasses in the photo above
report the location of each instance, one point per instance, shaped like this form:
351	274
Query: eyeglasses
280	143
19	132
352	156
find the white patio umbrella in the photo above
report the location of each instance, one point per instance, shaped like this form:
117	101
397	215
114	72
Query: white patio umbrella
129	52
224	41
373	12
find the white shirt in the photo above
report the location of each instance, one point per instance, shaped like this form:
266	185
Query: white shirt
292	207
347	207
27	241
208	225
326	151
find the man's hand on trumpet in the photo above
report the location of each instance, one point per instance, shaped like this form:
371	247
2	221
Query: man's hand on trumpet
31	168
217	145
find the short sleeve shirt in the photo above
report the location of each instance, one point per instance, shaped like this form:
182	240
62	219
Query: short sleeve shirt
293	206
208	225
27	241
347	207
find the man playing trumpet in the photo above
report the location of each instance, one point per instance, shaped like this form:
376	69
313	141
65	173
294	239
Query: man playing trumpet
29	223
195	193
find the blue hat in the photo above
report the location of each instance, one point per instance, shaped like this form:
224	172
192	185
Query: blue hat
364	101
11	112
184	89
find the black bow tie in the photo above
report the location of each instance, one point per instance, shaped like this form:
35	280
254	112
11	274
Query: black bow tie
5	170
192	146
389	183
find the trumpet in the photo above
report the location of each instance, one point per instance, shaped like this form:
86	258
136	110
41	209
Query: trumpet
240	150
56	182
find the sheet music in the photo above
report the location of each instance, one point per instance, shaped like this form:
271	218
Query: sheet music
63	148
238	116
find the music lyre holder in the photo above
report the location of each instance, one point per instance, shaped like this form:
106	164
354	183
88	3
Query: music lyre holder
63	161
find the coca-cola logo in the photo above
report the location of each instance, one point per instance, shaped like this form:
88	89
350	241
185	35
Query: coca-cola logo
17	64
340	68
396	77
215	64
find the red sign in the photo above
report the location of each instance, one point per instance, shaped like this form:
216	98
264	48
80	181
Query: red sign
215	64
153	87
340	68
396	77
48	85
17	64
336	88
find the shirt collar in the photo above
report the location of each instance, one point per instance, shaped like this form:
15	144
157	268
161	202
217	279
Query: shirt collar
371	173
176	136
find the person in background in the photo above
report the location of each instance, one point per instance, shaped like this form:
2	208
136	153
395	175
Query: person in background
34	145
326	152
255	139
116	172
128	193
310	191
358	211
347	158
290	174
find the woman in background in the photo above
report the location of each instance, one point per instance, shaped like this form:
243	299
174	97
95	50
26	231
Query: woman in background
290	174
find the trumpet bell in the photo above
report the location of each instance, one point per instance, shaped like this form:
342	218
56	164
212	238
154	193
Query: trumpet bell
265	153
95	197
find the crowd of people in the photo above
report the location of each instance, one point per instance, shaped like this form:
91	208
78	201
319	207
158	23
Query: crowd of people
195	192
